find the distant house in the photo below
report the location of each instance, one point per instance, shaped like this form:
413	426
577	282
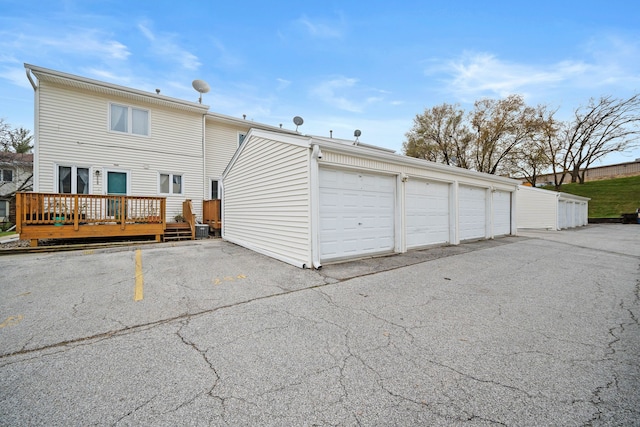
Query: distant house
16	173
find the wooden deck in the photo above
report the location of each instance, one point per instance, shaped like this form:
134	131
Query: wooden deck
66	216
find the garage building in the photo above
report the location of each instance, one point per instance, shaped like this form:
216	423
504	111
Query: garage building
312	200
550	210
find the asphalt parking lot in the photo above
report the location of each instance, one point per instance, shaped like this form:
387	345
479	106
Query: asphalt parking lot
540	329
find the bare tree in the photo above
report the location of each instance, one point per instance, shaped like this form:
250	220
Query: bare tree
502	127
604	126
439	135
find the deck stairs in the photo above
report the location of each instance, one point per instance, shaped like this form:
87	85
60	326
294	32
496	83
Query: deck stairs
177	231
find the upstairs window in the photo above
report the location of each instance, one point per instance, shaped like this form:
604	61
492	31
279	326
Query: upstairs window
170	183
129	120
6	175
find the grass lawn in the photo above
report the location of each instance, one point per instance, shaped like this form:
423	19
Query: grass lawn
6	233
609	198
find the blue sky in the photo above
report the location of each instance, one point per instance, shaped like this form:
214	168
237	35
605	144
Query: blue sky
341	65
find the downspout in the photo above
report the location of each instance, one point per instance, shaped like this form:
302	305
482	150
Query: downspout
36	131
314	206
204	161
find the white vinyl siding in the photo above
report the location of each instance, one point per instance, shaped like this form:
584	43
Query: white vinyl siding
73	130
357	213
221	144
427	213
543	209
536	208
266	200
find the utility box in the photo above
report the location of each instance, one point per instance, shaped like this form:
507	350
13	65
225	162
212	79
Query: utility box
202	231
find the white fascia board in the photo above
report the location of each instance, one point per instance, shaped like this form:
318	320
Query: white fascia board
298	140
84	83
362	151
223	118
573	197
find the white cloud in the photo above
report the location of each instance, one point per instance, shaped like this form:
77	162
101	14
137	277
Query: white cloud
283	84
323	30
164	47
604	64
331	92
16	75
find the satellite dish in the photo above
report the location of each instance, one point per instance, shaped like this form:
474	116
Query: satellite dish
200	86
297	120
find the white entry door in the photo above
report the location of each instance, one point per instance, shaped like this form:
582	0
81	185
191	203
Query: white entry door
472	211
501	213
427	213
357	214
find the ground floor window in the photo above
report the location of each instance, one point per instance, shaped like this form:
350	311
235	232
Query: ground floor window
73	180
4	210
170	183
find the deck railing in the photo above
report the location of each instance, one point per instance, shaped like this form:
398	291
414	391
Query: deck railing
189	217
36	213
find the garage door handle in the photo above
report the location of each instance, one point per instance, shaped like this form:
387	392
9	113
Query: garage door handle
359	223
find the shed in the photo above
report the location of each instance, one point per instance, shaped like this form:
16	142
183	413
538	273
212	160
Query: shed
310	200
551	210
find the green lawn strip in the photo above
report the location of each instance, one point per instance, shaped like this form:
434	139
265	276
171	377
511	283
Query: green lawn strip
609	198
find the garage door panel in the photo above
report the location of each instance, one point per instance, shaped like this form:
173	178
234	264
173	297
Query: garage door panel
501	213
472	212
357	214
427	213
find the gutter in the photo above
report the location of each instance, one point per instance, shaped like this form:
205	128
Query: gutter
28	71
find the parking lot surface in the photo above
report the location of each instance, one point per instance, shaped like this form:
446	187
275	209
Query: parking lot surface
540	329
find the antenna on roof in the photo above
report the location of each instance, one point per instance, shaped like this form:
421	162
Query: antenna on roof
357	134
202	87
297	120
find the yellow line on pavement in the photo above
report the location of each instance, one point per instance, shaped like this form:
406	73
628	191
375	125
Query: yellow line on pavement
137	296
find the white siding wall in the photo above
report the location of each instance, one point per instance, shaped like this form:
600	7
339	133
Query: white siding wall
536	208
74	130
266	200
222	142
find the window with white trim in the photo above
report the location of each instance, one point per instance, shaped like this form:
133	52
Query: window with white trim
4	209
170	183
215	191
72	180
128	119
6	175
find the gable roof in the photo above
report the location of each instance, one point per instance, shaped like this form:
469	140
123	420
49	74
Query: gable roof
11	158
109	89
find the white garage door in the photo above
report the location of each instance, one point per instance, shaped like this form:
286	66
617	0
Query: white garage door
357	212
472	211
562	214
427	213
501	213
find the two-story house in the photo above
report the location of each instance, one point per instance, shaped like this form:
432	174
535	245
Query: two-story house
16	172
93	137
